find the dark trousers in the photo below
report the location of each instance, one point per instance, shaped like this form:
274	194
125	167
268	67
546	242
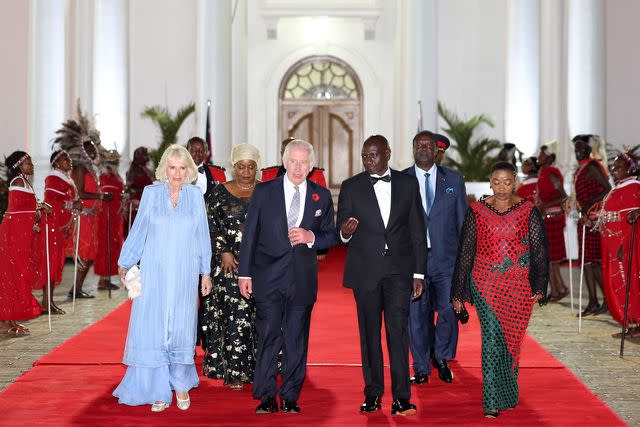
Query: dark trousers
281	324
391	296
437	339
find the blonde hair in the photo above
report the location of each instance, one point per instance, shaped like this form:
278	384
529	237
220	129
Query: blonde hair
176	151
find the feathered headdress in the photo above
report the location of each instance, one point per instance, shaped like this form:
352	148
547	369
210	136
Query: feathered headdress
72	136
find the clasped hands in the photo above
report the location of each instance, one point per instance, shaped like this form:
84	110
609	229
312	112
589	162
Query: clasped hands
299	236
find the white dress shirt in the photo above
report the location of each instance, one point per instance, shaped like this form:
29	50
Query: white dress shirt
433	172
202	179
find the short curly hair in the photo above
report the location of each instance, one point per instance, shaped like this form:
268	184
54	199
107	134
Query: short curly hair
177	151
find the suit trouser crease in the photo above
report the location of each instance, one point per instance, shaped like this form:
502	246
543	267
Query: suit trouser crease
391	297
281	324
429	338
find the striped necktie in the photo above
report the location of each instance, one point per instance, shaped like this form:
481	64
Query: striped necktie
294	209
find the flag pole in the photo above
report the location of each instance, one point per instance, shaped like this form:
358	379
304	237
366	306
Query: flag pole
420	122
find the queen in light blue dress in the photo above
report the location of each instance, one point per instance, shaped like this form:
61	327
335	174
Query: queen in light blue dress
173	247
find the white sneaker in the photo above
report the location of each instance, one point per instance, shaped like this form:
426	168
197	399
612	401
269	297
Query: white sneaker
159	406
183	404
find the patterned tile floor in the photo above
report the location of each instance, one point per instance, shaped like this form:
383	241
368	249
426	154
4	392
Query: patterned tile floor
592	354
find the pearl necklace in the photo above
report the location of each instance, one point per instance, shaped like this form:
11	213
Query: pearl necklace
245	187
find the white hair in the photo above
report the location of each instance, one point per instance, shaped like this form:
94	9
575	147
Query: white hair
177	151
299	143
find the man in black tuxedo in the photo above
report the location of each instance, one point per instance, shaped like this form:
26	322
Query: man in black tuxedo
380	219
289	219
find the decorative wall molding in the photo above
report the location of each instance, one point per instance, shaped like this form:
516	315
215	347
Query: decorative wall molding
367	11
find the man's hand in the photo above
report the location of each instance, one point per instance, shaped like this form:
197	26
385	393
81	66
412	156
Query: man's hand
349	227
229	263
418	287
246	287
206	285
584	220
299	236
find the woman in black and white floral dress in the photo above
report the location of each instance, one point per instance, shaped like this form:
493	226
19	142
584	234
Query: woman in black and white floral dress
228	321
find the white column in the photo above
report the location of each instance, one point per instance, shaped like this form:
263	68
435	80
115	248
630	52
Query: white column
423	42
553	83
213	75
417	74
239	79
47	88
585	75
110	73
522	103
14	48
79	57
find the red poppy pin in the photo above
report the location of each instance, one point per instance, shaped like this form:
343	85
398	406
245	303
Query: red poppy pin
315	197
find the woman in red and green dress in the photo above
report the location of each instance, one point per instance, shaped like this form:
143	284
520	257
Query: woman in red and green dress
621	208
503	269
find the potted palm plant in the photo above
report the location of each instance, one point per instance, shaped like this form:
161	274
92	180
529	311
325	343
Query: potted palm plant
168	125
472	158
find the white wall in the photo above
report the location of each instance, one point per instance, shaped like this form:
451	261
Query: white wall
472	59
14	49
162	52
268	61
622	71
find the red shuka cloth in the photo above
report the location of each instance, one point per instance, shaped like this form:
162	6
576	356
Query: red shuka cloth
17	268
109	183
616	241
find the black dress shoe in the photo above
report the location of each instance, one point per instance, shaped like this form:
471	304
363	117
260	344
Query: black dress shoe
602	309
267	406
289	406
419	378
444	372
371	404
403	407
80	295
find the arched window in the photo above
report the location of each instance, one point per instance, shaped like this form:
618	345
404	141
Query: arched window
320	78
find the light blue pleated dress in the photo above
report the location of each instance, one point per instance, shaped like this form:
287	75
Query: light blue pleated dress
174	248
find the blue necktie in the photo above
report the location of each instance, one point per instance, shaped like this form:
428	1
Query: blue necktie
428	194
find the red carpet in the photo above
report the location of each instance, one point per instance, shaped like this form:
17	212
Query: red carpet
72	385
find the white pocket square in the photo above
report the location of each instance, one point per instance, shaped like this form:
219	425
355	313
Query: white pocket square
318	212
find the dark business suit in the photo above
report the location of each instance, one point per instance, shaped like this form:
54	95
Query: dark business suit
444	223
382	279
285	281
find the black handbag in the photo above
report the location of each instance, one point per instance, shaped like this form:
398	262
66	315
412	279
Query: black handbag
463	316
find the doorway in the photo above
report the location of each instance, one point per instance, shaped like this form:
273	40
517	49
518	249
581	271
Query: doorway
321	102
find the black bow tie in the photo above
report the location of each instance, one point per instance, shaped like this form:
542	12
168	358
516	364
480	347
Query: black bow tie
201	169
374	179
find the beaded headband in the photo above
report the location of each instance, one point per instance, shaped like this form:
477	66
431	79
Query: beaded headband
57	156
22	159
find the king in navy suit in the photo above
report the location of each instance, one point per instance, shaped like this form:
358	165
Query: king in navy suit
289	219
444	205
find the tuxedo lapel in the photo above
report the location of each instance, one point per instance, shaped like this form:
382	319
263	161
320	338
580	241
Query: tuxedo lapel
395	198
370	198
